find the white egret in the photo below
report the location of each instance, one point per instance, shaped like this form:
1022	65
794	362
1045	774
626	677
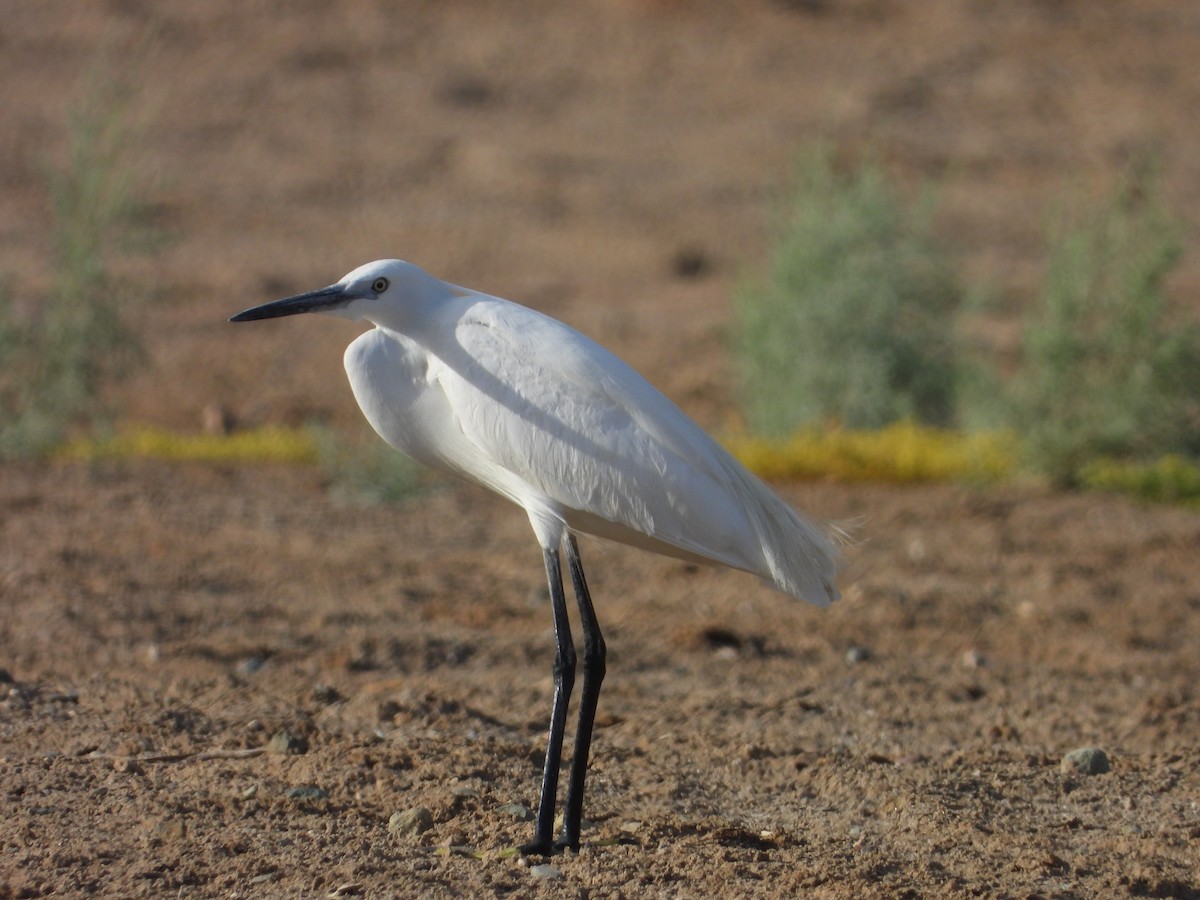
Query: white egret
518	402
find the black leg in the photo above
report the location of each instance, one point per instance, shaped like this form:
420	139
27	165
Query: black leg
564	681
593	675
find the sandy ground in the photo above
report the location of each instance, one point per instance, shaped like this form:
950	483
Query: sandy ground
219	682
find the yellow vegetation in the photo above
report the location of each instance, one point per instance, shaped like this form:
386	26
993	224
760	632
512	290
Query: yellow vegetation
1172	479
280	445
903	453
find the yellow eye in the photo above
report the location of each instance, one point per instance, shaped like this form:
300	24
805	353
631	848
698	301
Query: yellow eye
379	285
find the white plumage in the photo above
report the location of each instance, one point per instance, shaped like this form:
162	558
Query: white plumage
513	400
516	401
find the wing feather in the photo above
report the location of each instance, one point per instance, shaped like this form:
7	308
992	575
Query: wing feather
596	441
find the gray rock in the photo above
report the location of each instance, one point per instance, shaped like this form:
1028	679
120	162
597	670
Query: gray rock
410	822
1085	761
518	811
549	873
306	792
973	659
856	655
287	742
251	665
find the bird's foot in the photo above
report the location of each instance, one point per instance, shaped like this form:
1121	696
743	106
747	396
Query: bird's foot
539	847
564	842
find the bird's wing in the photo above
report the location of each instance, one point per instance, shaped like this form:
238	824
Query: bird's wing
588	434
568	417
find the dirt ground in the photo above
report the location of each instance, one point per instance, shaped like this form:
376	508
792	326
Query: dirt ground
220	682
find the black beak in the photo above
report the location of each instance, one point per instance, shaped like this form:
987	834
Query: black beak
333	297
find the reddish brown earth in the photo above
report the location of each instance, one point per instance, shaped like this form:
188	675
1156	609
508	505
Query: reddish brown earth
161	624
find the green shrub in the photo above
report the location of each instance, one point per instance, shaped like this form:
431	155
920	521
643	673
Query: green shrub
55	360
854	321
1105	374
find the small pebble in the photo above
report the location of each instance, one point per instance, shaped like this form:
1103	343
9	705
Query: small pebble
1085	761
916	549
857	655
251	665
216	419
548	872
306	792
286	742
410	822
973	659
518	811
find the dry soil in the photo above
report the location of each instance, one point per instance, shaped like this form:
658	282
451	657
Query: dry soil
219	681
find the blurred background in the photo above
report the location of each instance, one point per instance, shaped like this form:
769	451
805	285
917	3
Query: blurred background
626	165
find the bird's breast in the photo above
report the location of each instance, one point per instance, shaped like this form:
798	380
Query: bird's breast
397	383
389	376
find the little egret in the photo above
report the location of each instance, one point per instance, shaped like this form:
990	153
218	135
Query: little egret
517	402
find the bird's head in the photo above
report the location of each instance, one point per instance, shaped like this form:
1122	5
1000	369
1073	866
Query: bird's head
379	291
